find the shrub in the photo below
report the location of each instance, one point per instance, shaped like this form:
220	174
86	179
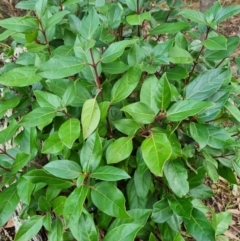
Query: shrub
119	112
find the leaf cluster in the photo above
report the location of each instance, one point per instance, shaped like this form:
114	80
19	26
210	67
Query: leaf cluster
120	110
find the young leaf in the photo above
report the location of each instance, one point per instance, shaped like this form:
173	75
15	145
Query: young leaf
162	94
19	77
29	228
90	117
176	175
115	50
64	169
137	19
185	108
199	227
127	126
124	232
41	116
73	206
108	199
119	150
60	66
125	85
207	83
69	131
169	28
9	201
140	112
156	150
109	173
161	211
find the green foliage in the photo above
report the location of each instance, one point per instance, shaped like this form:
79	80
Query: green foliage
119	112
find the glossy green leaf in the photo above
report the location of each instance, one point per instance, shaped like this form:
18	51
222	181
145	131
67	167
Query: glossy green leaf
64	169
53	144
199	133
185	108
169	28
56	232
19	77
29	228
181	206
69	131
109	173
45	99
140	112
124	232
137	19
216	43
60	66
162	93
126	84
199	227
127	126
115	50
20	161
108	199
176	175
73	206
9	201
161	211
228	174
84	229
36	176
8	133
221	222
90	117
119	150
156	150
179	56
207	83
194	16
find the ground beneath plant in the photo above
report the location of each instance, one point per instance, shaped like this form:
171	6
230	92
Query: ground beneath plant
226	197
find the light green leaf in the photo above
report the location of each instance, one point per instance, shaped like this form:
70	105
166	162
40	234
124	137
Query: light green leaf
73	206
29	228
207	83
176	175
109	173
216	43
64	169
162	94
9	201
45	99
115	50
108	199
199	227
90	117
179	56
161	211
140	112
19	77
124	232
181	206
185	108
53	144
137	19
41	116
221	222
91	153
56	18
194	16
20	161
8	133
127	126
156	150
169	28
126	84
56	232
24	190
226	12
40	7
119	150
199	133
177	73
234	111
60	67
69	131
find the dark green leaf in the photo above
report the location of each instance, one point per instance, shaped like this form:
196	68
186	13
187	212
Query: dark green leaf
56	232
116	67
201	192
24	189
227	173
161	211
20	161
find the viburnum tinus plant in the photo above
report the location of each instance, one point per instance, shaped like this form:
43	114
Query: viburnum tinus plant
120	110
